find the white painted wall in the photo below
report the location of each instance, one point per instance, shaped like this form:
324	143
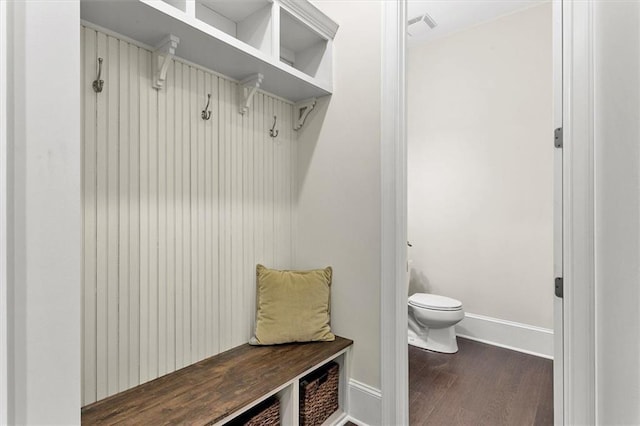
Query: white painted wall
617	210
44	195
177	211
339	183
481	167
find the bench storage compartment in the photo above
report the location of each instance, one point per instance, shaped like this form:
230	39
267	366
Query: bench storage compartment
266	413
319	395
223	388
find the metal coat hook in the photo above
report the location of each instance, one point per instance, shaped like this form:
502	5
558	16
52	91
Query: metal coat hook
274	133
206	114
98	83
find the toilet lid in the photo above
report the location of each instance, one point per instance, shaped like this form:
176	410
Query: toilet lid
435	302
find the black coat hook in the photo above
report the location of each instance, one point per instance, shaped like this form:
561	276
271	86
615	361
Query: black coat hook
98	83
206	114
274	133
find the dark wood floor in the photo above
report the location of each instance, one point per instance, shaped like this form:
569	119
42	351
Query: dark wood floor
479	385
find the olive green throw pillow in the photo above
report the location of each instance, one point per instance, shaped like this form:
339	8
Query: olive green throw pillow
292	306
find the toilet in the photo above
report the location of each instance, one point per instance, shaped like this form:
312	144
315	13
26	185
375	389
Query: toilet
432	321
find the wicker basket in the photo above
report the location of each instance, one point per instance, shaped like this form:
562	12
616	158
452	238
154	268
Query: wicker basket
319	395
267	413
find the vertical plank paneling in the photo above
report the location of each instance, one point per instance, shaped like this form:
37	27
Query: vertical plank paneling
102	232
225	176
208	170
153	227
90	238
236	222
247	221
124	197
162	227
193	168
134	215
269	189
170	197
259	181
186	214
278	196
179	200
177	211
287	127
145	81
201	260
112	202
289	182
215	208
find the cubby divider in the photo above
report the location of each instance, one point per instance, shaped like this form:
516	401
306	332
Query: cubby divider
289	42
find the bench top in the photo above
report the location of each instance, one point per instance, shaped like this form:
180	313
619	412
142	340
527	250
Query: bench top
214	388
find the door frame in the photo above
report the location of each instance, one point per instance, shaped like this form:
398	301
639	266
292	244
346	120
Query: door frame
578	215
393	260
558	305
4	317
573	228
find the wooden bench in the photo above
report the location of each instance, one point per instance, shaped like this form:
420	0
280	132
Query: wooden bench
218	389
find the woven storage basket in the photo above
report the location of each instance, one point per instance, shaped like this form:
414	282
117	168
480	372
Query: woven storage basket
319	395
267	413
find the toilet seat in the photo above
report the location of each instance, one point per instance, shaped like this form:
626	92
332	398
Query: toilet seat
435	302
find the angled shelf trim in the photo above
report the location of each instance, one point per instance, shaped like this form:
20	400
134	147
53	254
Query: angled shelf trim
248	88
301	110
162	56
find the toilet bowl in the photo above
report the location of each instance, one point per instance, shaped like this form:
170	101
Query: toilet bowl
432	321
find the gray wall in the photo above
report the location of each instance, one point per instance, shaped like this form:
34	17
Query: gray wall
339	183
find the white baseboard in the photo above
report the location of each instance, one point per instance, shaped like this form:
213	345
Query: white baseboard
507	334
365	404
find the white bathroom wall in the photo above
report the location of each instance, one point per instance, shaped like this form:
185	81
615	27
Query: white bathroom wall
339	199
480	167
616	79
177	211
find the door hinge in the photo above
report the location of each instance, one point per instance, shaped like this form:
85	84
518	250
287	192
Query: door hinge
557	138
559	284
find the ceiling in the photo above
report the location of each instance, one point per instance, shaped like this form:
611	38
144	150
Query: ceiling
455	15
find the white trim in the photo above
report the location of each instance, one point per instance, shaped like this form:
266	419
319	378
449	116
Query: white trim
393	259
516	336
347	419
365	403
311	16
4	383
558	351
578	214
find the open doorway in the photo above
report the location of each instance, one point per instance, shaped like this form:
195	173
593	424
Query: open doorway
480	212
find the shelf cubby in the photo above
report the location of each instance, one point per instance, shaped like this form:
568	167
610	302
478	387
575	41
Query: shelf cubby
236	38
303	48
178	4
248	21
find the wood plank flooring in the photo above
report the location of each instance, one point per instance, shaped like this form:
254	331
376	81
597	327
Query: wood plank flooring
479	385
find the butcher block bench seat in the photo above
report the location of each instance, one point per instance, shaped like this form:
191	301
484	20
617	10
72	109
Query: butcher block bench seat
215	389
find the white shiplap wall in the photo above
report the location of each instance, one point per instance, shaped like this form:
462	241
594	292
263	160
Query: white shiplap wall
177	212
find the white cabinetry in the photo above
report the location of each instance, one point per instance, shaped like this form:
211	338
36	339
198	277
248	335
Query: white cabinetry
288	42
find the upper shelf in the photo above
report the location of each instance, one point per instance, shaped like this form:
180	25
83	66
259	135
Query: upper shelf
289	42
